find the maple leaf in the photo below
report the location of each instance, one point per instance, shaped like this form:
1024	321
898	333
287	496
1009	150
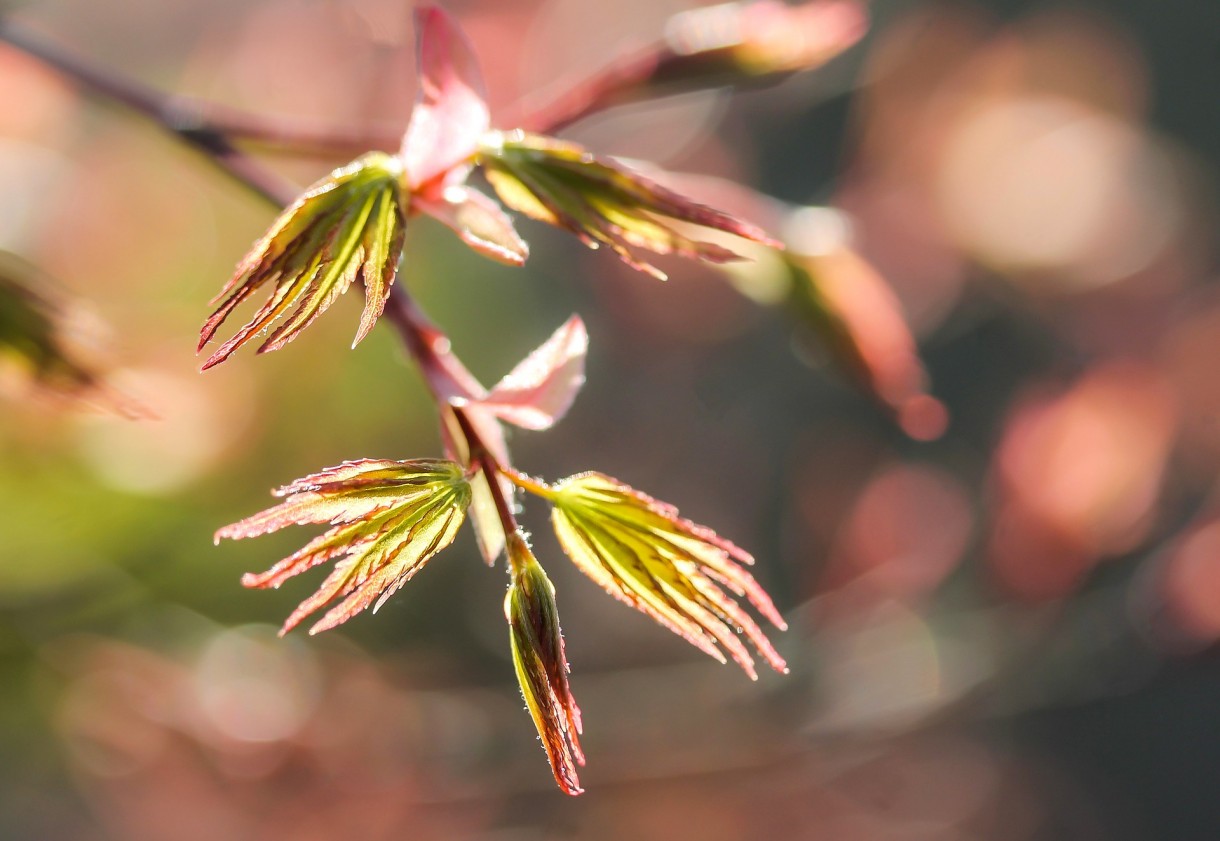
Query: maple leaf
450	114
347	226
642	553
388	519
541	665
484	515
534	395
601	201
478	221
447	125
541	388
761	39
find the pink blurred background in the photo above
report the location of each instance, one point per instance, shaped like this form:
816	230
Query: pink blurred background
1006	633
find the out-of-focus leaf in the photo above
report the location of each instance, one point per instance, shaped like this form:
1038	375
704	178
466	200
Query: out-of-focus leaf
451	113
34	341
541	664
729	44
723	43
388	519
859	319
349	225
479	221
602	202
540	390
642	553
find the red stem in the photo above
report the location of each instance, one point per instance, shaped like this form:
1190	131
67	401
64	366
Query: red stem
480	454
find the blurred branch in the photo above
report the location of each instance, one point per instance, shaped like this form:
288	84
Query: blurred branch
208	126
195	124
179	117
758	43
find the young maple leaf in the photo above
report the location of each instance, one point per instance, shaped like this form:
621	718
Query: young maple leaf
347	226
541	388
447	125
541	665
388	519
602	202
535	394
642	553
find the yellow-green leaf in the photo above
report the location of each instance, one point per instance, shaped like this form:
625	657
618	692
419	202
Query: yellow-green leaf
348	226
642	553
388	519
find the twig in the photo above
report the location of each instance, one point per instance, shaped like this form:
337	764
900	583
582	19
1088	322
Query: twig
445	375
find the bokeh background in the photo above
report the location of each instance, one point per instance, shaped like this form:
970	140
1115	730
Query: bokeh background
1005	634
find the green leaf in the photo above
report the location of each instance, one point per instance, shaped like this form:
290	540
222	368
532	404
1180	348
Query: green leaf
388	519
348	226
642	553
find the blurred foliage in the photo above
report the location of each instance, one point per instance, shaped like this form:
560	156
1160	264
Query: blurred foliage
1006	633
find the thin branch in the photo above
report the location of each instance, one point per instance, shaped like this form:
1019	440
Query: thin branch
202	123
165	111
491	468
444	374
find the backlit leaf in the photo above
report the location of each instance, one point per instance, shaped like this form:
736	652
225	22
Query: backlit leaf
861	322
348	226
642	553
485	519
540	390
451	113
602	202
479	221
729	41
387	518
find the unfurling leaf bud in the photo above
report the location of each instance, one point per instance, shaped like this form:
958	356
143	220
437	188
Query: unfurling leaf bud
542	668
348	226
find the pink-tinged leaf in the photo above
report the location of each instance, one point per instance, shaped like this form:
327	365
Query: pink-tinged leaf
540	390
738	42
451	113
479	222
861	321
387	518
347	227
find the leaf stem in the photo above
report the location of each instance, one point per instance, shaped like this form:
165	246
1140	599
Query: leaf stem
492	469
527	483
